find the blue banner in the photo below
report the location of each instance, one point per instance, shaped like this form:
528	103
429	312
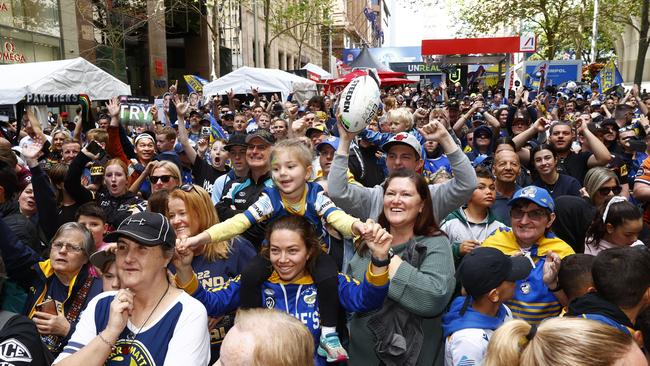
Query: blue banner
554	72
386	55
194	83
608	77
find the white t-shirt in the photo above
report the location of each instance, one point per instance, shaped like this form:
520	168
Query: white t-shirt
178	337
467	347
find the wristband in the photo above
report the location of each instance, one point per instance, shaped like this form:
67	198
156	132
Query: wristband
382	263
556	288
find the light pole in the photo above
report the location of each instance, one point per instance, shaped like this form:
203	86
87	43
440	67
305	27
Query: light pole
594	33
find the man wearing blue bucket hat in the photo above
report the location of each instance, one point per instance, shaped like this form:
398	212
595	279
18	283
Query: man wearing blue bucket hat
538	296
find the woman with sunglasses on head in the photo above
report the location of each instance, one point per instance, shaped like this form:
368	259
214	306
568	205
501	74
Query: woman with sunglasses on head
58	288
190	211
617	224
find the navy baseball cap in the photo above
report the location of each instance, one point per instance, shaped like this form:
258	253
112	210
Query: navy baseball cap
534	194
146	228
484	269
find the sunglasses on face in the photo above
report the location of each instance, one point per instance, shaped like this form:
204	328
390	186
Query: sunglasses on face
604	191
482	137
534	215
163	178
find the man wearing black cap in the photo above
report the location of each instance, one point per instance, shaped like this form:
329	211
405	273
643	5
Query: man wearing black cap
194	133
236	148
488	277
242	193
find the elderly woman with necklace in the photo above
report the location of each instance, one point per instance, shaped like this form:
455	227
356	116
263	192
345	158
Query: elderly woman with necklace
148	322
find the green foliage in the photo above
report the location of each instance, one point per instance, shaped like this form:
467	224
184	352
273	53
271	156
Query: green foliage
560	24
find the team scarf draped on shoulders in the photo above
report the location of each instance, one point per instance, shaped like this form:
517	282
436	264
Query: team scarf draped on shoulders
504	239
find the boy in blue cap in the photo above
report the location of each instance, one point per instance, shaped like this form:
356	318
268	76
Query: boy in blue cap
488	277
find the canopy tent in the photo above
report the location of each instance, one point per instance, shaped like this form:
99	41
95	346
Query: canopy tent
366	60
324	75
73	76
264	80
385	81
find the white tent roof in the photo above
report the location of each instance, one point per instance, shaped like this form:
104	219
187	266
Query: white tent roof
266	80
73	76
318	70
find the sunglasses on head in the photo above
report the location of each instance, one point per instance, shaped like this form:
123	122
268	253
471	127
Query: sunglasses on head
163	178
606	190
187	187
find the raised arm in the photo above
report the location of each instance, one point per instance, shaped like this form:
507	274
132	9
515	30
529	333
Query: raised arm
183	137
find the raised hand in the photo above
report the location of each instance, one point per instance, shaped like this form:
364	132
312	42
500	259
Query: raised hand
434	130
181	106
551	269
113	107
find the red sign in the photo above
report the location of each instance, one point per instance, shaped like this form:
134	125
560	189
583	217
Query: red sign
9	54
160	70
466	46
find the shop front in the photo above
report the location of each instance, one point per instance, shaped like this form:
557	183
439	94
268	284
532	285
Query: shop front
29	31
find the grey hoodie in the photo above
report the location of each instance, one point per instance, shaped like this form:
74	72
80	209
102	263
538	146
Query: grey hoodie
367	203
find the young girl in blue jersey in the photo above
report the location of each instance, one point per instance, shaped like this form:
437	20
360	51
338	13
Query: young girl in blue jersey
190	211
293	249
292	194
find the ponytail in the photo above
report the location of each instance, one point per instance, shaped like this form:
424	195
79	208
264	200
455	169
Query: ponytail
507	343
558	341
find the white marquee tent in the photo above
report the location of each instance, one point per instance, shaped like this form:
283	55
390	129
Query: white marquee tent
266	80
73	76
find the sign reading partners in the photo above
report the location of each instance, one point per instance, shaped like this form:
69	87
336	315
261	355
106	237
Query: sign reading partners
135	111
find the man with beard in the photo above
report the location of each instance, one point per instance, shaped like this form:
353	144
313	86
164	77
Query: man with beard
576	164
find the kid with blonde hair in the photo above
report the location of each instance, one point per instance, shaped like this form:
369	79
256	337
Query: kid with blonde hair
292	194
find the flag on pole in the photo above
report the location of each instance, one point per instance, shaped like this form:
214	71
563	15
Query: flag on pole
608	77
541	70
216	131
194	83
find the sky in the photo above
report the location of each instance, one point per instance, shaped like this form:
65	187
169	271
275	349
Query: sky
409	25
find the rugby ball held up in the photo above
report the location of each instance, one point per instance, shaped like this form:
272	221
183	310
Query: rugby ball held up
360	102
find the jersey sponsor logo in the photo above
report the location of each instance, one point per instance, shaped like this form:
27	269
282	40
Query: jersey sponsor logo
130	353
13	350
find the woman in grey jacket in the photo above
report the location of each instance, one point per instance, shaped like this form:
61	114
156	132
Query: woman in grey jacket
422	281
403	151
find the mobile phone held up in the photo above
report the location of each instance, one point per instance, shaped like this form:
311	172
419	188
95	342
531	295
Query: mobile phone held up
96	149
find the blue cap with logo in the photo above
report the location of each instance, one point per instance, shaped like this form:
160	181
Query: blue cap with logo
332	141
537	195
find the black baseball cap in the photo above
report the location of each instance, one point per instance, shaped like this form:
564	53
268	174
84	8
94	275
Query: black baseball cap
484	269
236	139
265	135
192	113
100	258
146	228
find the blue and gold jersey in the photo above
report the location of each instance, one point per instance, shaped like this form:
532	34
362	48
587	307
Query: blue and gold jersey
297	298
533	301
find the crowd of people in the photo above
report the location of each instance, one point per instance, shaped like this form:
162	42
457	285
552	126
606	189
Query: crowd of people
463	226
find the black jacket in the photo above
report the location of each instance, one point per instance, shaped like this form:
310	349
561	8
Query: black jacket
24	229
